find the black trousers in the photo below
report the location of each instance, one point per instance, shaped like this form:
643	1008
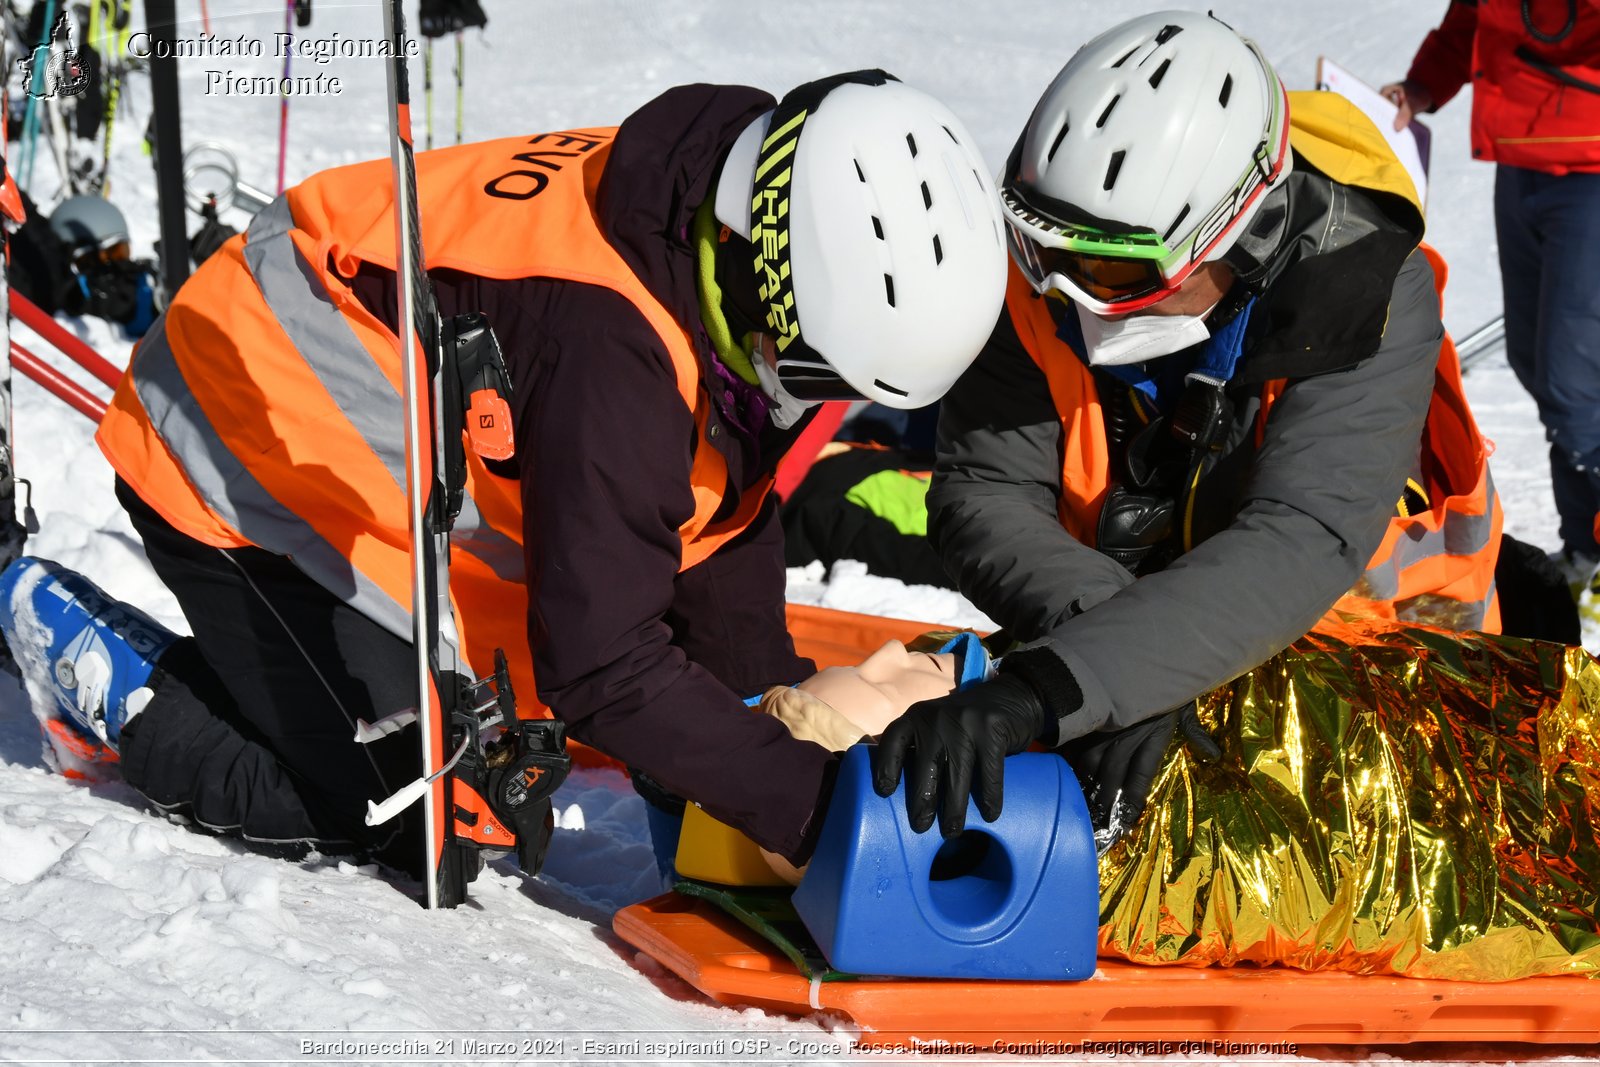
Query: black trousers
251	729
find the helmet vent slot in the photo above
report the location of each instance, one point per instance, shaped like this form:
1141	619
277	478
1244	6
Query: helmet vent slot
1125	56
927	197
1176	223
938	251
1114	169
1106	114
1161	72
888	288
860	173
1050	157
877	227
1227	90
1168	32
911	143
947	129
886	387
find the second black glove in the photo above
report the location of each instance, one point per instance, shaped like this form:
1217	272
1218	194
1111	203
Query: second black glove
1117	768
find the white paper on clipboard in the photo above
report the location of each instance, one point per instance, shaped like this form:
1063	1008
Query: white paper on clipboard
1411	144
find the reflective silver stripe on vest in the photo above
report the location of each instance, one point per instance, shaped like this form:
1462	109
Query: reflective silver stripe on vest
231	491
299	301
1431	609
499	553
318	330
1461	535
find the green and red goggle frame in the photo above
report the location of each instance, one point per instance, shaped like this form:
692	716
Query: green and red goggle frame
1115	270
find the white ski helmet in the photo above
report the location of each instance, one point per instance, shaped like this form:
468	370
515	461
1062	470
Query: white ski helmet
878	248
1148	155
89	224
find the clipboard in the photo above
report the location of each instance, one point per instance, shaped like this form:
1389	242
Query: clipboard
1413	145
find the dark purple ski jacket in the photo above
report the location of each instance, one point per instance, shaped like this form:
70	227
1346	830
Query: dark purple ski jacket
644	663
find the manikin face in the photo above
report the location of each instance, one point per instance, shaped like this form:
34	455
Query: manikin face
886	683
871	696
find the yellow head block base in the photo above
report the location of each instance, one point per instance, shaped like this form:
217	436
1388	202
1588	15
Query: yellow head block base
711	851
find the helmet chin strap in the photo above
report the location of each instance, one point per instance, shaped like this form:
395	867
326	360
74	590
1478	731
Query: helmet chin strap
1253	253
786	410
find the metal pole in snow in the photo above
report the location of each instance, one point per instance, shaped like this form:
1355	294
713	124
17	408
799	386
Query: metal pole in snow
161	21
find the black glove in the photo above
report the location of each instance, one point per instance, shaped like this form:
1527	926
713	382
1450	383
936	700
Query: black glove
947	736
1127	761
975	729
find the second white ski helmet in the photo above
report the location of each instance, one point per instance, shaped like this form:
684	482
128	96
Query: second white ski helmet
878	247
89	224
1146	156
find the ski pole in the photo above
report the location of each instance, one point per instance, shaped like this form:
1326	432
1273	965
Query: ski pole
99	17
461	70
1482	341
57	384
427	92
74	348
283	90
205	18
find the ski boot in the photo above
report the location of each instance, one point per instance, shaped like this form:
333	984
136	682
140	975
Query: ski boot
85	658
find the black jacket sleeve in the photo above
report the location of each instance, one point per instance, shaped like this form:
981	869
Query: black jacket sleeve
644	662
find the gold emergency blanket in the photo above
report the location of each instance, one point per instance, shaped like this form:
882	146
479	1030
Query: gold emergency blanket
1417	803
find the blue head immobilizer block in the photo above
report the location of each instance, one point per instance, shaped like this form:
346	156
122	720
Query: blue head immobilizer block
1017	898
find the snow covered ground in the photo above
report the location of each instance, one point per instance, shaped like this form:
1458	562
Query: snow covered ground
127	938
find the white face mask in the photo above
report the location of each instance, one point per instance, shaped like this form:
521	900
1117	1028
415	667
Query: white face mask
1139	338
785	410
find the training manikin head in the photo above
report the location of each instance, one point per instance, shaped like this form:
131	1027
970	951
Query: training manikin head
886	683
838	706
874	238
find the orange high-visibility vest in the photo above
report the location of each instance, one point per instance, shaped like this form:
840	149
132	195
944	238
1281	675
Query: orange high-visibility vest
264	408
1443	554
1436	566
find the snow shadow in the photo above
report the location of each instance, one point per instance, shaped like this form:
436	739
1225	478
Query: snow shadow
20	743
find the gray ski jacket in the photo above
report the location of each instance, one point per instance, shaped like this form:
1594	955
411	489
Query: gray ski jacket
1349	315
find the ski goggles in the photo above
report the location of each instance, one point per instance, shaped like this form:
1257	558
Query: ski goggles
1112	270
1106	272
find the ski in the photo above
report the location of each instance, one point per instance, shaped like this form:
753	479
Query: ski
13	534
36	85
418	328
487	776
115	62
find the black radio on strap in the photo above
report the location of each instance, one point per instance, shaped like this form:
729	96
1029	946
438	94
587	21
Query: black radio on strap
1155	470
